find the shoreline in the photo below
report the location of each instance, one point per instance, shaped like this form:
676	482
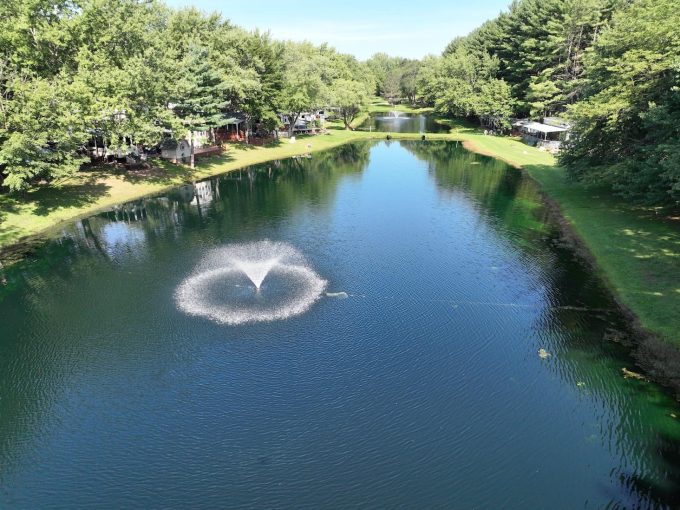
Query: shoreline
655	356
602	232
132	185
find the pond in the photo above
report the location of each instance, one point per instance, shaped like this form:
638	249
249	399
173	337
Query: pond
400	122
422	336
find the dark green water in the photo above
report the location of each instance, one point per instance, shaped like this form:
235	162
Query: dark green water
422	389
398	122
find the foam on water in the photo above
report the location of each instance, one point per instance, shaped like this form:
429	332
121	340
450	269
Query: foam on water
339	295
253	282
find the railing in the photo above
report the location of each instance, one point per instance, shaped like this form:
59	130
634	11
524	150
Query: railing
535	141
207	151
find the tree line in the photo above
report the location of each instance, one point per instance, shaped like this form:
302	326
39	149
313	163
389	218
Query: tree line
132	72
610	67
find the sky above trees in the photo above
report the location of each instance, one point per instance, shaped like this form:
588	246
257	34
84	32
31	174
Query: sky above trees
406	28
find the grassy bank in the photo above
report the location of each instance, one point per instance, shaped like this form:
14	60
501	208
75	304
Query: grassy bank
637	251
44	208
26	214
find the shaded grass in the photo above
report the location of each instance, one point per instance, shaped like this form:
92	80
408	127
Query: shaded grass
43	208
637	250
24	214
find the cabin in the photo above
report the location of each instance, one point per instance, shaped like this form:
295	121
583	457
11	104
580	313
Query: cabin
179	151
124	151
548	135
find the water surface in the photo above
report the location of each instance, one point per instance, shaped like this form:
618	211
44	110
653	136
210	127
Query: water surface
399	122
423	388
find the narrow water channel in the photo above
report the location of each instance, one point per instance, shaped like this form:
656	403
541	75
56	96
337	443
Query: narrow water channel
452	351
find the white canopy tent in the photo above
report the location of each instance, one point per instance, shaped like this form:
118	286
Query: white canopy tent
538	129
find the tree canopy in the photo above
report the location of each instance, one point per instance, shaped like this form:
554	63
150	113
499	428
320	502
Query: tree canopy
610	67
627	127
67	78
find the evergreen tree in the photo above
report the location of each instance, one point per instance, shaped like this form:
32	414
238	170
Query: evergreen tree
200	95
627	128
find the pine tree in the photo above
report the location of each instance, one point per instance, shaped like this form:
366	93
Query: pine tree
200	94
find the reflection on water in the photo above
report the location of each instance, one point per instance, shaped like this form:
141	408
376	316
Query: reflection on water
423	388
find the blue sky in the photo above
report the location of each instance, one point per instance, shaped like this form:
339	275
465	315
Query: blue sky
411	28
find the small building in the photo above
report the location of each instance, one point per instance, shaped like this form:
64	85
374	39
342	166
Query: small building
179	151
176	151
548	136
317	115
124	151
232	130
557	122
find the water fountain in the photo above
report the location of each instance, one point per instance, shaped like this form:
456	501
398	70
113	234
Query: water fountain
256	271
252	282
392	116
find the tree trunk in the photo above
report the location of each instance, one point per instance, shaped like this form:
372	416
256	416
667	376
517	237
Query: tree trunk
291	125
198	200
348	122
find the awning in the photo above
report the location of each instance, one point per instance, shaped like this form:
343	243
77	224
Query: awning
543	128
